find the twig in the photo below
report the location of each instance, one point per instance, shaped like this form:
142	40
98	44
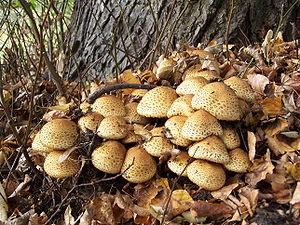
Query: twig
161	33
110	88
228	27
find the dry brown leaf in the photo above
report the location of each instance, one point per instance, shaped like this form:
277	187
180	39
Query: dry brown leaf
251	145
128	77
258	82
277	126
249	196
296	195
272	106
260	169
224	192
66	154
103	209
293	169
202	208
52	115
278	146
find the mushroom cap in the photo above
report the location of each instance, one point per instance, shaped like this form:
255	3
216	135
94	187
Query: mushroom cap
156	102
158	143
200	125
85	106
113	127
201	53
241	88
211	149
191	86
165	68
38	146
178	164
132	138
196	71
90	121
59	134
109	105
239	161
138	166
181	106
109	157
132	116
67	168
174	126
139	92
230	138
245	108
207	175
219	100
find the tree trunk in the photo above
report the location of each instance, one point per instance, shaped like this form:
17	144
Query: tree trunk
108	36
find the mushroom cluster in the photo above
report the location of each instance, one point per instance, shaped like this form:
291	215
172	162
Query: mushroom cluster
197	118
54	138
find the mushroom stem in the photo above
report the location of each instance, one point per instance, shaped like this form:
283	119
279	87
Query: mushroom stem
110	88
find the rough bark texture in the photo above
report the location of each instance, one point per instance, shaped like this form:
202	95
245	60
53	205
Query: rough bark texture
107	36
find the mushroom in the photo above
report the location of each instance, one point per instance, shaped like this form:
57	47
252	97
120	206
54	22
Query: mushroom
109	105
211	149
113	127
59	134
239	161
156	102
207	175
90	121
200	125
38	146
109	157
158	143
85	106
138	166
181	106
191	86
67	168
230	138
241	88
178	163
219	100
174	127
165	68
196	71
201	53
132	116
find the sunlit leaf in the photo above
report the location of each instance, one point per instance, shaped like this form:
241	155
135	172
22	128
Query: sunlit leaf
258	82
272	106
293	169
296	195
276	127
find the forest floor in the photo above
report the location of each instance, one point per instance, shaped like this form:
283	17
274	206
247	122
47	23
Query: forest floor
268	193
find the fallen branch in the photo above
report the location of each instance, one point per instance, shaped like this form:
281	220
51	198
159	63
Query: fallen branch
110	88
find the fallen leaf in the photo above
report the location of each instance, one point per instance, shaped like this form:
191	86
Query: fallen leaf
128	77
202	208
258	82
251	145
278	146
224	192
272	106
260	169
277	126
293	169
249	196
68	218
296	195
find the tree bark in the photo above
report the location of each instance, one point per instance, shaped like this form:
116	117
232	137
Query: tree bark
108	36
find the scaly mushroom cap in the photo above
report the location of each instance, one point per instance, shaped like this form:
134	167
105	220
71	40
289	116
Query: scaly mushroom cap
200	125
67	168
174	127
191	86
219	100
139	92
156	102
239	161
85	106
38	146
132	116
132	138
182	106
113	127
207	175
59	134
230	138
138	166
109	105
241	88
109	157
158	143
211	149
196	71
90	121
178	164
